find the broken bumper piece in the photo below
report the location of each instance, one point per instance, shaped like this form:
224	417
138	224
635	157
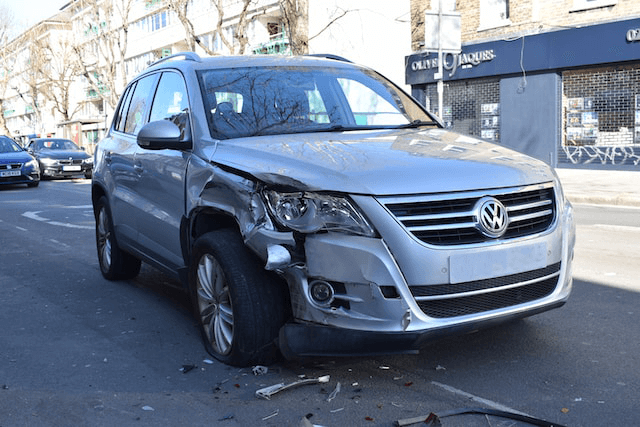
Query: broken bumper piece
298	340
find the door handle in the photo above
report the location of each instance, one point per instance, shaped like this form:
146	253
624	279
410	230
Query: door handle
138	167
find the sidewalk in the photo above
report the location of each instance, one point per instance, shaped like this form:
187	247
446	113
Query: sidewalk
601	187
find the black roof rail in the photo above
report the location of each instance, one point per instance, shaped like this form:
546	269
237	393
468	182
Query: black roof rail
188	56
330	56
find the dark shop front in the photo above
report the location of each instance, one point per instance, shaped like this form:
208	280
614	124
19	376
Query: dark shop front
569	97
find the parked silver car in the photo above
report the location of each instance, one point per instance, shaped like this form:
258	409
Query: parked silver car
311	206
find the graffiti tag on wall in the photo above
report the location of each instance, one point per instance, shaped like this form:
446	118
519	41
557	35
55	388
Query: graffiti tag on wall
605	155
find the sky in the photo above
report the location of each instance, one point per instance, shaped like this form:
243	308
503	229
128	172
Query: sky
29	12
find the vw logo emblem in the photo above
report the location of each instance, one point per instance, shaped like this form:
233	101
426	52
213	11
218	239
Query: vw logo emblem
492	217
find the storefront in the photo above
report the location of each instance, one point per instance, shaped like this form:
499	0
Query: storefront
569	97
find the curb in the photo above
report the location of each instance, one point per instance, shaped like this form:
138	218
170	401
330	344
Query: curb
621	199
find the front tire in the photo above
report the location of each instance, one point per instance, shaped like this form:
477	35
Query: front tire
115	264
240	307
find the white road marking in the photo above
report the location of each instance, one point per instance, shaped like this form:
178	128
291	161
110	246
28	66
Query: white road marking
34	215
620	228
480	400
59	243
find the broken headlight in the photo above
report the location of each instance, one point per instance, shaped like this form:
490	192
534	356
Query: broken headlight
310	212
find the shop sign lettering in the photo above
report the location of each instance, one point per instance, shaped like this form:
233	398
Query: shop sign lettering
633	35
452	61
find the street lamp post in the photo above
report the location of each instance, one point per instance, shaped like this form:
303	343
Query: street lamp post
442	34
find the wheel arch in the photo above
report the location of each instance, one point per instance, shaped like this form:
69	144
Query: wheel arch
201	221
97	191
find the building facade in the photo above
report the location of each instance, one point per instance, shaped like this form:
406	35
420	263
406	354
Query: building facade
556	80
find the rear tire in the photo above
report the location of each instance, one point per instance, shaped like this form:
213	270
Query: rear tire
240	307
115	264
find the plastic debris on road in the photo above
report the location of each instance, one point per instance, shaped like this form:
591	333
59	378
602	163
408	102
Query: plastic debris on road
269	391
334	393
259	370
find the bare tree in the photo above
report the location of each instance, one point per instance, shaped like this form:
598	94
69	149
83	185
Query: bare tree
32	75
101	59
59	75
295	15
180	7
241	29
6	23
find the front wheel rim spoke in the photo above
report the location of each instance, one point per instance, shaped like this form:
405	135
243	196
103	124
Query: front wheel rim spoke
216	311
223	334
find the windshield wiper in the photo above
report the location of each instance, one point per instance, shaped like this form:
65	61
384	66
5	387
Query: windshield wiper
337	128
416	124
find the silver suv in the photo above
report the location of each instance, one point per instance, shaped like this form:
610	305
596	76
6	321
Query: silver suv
311	207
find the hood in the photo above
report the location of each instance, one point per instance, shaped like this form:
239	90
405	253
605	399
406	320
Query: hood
18	156
63	154
389	162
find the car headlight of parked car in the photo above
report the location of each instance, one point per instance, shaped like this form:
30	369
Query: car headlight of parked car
310	212
88	161
32	164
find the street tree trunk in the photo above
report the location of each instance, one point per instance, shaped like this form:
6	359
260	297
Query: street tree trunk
295	14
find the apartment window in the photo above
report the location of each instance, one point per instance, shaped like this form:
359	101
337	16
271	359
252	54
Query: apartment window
447	5
579	5
493	14
153	22
158	21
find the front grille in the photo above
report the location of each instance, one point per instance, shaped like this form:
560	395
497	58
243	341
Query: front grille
71	162
9	166
443	301
452	219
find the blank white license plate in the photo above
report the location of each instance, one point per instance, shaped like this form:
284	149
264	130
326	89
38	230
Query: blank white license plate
496	262
73	168
10	173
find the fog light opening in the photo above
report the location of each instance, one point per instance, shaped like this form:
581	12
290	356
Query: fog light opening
321	292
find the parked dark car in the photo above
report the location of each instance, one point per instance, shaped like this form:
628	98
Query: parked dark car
60	158
16	165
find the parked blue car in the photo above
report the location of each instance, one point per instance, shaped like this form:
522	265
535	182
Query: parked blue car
16	165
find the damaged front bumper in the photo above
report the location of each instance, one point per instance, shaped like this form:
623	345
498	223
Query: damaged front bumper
298	340
372	308
353	294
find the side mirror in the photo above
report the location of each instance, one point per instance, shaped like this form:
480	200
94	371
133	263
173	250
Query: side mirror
160	135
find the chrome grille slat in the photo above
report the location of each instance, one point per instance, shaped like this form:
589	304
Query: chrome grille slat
484	291
448	300
442	227
530	216
529	206
450	219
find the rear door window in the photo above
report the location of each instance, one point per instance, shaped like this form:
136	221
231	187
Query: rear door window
122	110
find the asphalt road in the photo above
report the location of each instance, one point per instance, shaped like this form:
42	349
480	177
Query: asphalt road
78	350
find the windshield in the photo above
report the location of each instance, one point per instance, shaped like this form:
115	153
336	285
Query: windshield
8	146
57	144
265	101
